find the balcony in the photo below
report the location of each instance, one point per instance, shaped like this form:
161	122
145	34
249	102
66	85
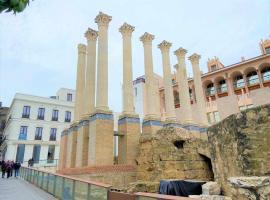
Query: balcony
40	117
222	89
25	116
67	119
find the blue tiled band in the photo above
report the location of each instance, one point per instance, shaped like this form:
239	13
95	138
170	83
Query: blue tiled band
152	123
195	128
134	120
176	125
101	116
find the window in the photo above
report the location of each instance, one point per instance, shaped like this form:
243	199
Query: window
69	97
53	134
217	116
26	112
239	82
41	112
23	133
20	153
50	156
252	78
267	50
209	118
36	153
55	115
213	68
222	86
38	133
210	91
67	116
266	74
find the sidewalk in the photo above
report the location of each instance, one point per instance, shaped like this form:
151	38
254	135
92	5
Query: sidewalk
18	189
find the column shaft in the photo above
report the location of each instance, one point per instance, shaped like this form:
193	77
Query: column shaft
128	99
80	82
167	77
90	86
200	99
183	87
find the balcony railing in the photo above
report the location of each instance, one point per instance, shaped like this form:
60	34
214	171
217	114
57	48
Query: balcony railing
222	89
209	92
54	118
25	115
266	78
253	81
40	117
239	84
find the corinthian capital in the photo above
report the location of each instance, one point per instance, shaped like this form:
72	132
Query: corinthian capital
181	52
126	29
164	45
194	58
103	19
147	37
91	34
81	48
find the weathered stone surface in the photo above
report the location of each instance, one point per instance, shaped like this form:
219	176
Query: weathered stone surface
239	145
143	186
211	188
251	188
210	197
171	153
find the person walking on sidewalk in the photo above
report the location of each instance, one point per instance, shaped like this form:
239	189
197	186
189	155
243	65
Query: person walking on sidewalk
3	168
17	167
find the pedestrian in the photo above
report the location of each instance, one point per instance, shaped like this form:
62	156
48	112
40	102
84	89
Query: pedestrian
8	168
17	167
3	168
12	168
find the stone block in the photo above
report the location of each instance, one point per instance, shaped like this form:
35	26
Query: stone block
211	188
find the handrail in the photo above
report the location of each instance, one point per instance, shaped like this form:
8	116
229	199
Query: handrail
72	178
162	196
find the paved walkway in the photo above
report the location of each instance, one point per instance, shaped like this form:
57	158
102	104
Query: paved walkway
18	189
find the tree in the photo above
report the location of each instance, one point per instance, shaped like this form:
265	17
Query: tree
13	5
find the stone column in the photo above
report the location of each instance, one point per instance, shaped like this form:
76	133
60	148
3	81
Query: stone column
151	122
90	94
128	99
151	112
200	100
103	21
183	88
167	77
260	78
80	82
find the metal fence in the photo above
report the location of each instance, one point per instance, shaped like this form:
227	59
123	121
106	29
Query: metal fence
71	188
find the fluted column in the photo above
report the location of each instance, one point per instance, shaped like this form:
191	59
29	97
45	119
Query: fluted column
90	77
80	82
128	99
200	100
167	77
183	86
151	110
103	21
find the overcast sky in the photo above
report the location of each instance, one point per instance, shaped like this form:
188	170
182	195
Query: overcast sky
38	47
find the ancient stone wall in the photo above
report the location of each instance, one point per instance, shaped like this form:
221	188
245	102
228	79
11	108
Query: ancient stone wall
171	153
239	145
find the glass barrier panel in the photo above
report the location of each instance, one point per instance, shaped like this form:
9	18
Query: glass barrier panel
40	177
81	190
97	192
28	175
32	176
35	177
51	180
68	189
45	182
59	187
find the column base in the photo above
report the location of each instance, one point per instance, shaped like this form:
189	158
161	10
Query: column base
129	134
101	133
151	125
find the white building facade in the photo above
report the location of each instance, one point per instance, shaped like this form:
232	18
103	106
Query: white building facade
34	126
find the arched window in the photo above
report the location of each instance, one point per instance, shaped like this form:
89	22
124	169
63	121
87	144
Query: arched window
222	86
266	74
252	78
210	90
239	81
